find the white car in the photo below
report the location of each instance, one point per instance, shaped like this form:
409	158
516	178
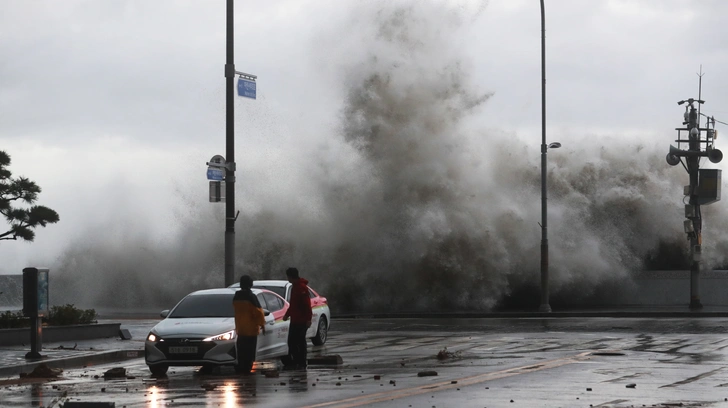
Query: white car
321	320
200	331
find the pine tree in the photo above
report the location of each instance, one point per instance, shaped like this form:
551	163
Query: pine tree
21	190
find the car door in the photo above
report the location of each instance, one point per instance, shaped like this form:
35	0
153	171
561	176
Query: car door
316	314
265	341
279	332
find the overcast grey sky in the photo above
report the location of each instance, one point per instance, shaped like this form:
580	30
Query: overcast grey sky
113	107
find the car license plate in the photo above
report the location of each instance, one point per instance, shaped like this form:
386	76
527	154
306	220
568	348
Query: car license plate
183	350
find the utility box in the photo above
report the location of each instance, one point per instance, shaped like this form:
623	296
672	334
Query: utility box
709	181
35	292
35	306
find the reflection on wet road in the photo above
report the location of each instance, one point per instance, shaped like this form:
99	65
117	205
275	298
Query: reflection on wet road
586	362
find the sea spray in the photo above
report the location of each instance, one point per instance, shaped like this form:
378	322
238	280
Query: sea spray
407	205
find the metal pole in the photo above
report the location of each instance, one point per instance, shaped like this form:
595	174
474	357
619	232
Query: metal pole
545	307
230	153
695	238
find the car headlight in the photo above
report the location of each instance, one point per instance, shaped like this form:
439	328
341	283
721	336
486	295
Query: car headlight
229	335
153	337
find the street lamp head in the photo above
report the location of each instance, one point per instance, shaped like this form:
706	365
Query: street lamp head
554	145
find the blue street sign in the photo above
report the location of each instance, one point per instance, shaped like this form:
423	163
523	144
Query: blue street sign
246	88
215	174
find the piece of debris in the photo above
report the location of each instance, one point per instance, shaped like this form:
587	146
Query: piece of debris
392	382
631	385
116	372
454	382
62	347
377	377
338	384
43	371
588	389
444	354
124	334
427	373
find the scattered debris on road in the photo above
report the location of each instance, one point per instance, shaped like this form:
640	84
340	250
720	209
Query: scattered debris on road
444	354
43	371
429	373
116	372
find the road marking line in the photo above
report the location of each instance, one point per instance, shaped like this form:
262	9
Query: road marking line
446	385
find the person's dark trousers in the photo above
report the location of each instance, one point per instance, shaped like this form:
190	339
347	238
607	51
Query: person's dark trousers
297	343
246	353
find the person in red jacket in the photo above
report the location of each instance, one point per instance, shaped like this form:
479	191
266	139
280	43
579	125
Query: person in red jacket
299	311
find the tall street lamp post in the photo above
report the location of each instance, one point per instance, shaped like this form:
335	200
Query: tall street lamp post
230	152
545	306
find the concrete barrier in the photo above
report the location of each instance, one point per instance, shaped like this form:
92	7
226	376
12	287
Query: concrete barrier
54	334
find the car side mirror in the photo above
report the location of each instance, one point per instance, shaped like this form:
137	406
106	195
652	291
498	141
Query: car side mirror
164	313
266	312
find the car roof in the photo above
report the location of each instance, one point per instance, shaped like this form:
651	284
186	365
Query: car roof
281	283
220	291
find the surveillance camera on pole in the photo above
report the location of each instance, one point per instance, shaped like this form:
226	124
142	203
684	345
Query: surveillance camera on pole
694	143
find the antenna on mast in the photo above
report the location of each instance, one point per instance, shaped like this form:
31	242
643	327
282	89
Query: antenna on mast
700	90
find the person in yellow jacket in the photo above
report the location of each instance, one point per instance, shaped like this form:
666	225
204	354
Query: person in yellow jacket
249	322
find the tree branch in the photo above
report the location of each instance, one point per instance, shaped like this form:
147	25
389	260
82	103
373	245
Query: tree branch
8	233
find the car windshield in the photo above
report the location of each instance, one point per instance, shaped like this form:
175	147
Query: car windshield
279	290
214	305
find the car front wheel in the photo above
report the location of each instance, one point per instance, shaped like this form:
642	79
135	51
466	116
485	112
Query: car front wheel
320	338
158	369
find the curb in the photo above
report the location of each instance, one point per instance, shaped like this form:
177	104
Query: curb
73	362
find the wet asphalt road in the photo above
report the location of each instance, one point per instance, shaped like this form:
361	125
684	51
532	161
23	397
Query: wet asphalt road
494	362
